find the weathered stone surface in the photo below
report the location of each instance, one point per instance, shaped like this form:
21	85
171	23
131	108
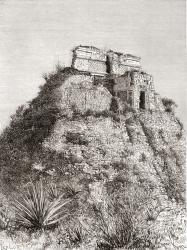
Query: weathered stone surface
89	59
132	85
100	62
79	92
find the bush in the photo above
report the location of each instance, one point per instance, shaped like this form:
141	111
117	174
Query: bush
76	138
70	191
117	229
169	104
33	210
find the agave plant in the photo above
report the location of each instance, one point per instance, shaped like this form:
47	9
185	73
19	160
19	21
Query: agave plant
33	210
70	191
75	236
53	192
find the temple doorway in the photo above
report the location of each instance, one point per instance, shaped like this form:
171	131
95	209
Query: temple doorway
142	100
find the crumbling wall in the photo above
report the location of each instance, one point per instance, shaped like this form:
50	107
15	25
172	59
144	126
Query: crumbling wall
89	65
89	59
79	93
134	82
142	79
121	63
130	79
122	83
118	69
96	61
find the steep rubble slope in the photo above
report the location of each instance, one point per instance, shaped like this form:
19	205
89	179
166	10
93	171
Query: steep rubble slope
70	134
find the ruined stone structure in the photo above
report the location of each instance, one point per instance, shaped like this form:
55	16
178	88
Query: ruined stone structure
99	62
136	89
90	59
132	86
119	63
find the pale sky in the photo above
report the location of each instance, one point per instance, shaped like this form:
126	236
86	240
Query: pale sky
36	34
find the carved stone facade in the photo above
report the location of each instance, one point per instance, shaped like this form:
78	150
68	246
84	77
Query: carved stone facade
99	62
136	89
89	59
120	63
132	86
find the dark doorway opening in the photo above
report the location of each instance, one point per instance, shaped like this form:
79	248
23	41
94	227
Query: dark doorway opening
142	100
108	67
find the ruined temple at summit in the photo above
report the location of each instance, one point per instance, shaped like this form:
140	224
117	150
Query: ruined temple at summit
99	62
132	85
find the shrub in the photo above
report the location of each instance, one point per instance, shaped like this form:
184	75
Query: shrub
70	191
169	104
59	72
33	210
117	232
179	135
76	138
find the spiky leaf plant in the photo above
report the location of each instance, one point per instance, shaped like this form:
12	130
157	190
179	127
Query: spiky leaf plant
33	210
70	191
53	192
75	236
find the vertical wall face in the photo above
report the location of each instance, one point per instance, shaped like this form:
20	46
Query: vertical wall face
94	67
138	89
120	63
133	86
79	91
144	83
90	59
98	62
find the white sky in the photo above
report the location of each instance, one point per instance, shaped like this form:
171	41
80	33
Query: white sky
36	34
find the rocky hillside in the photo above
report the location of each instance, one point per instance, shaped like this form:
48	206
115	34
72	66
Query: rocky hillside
132	162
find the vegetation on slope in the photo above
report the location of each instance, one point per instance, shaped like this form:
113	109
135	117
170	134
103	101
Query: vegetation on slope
124	172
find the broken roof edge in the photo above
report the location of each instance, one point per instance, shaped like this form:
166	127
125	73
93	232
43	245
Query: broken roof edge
137	70
133	56
86	46
107	51
123	54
